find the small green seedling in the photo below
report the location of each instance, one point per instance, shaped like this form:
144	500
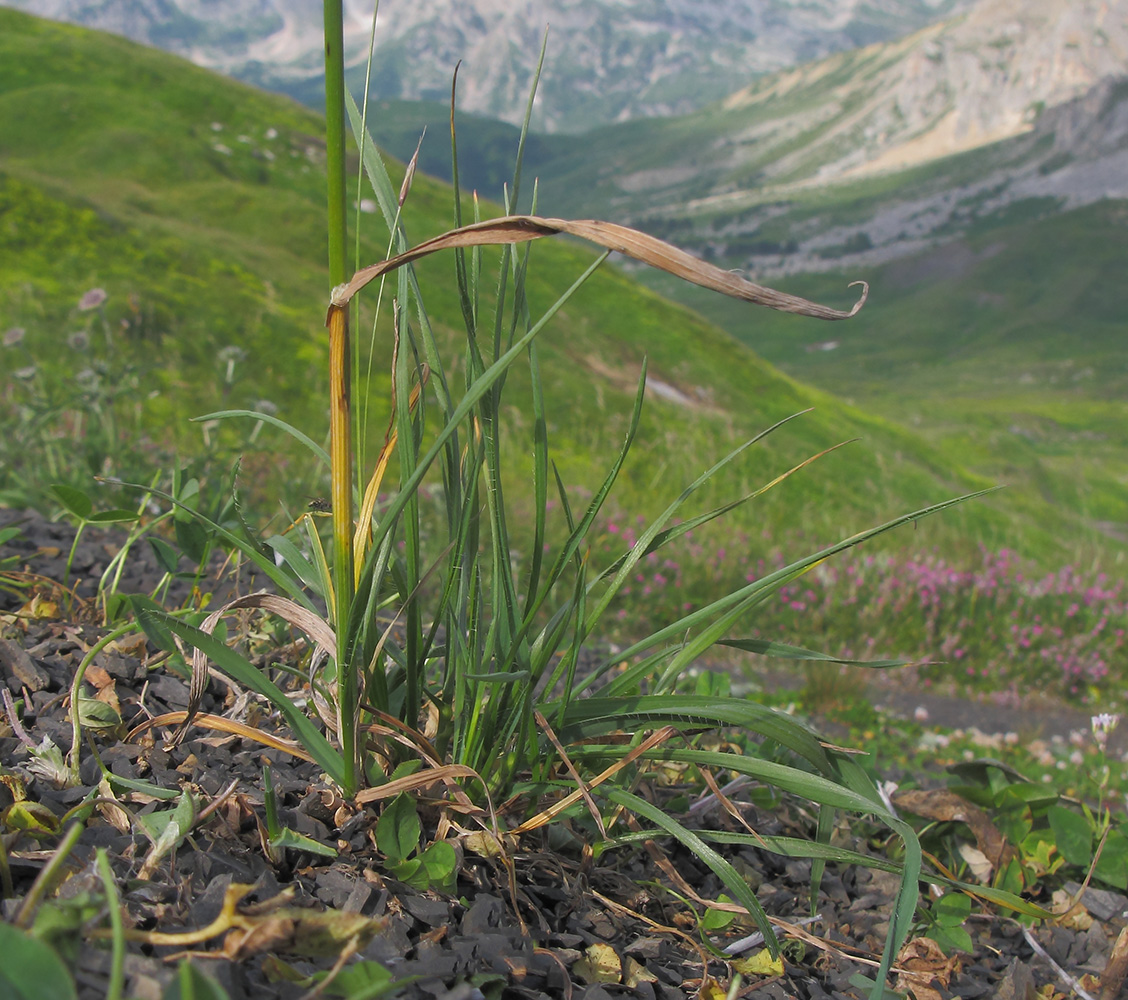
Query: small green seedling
397	836
944	920
282	837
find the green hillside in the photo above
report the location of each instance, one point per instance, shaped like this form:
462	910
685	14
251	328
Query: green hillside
196	204
1004	349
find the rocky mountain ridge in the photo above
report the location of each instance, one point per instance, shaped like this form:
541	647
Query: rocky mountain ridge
980	77
609	60
921	137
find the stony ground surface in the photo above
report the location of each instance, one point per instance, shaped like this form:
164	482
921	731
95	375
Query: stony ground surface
559	923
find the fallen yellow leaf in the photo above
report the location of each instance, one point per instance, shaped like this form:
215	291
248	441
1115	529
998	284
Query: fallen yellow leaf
635	973
600	964
760	964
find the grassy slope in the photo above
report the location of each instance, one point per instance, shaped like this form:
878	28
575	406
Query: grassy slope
111	177
1008	357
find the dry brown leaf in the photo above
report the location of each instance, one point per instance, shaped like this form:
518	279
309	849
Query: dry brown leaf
610	236
922	962
485	845
117	817
311	624
945	806
98	676
129	645
108	696
1071	914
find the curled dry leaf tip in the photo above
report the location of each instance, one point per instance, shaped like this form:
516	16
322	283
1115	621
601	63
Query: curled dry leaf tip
611	236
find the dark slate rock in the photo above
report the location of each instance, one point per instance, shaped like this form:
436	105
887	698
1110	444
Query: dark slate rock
432	912
392	945
1101	903
170	690
484	914
123	668
20	669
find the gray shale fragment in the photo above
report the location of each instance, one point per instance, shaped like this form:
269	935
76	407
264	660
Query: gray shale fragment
17	664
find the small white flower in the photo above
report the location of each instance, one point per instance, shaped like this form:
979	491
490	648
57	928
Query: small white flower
1105	722
920	714
13	336
1103	725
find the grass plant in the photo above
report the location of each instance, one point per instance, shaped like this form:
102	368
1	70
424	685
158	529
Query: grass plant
449	656
481	675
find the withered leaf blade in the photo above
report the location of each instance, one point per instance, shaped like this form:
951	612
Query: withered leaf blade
611	236
273	926
313	625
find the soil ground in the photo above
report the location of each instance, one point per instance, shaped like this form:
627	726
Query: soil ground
558	923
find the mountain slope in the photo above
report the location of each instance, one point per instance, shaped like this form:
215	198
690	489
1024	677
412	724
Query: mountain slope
860	117
609	59
1002	347
196	204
